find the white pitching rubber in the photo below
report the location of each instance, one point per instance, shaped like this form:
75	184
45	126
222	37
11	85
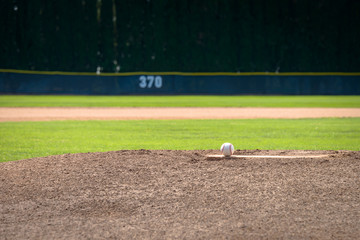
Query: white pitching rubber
264	156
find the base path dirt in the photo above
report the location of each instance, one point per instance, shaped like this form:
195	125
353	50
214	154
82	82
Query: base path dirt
181	195
47	114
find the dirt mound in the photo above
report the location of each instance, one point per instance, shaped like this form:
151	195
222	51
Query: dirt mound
180	194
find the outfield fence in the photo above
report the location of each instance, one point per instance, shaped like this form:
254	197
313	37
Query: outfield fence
177	83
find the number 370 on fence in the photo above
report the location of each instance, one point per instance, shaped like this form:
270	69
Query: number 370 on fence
150	82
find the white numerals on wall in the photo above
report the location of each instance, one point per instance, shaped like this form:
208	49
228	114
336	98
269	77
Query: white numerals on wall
150	81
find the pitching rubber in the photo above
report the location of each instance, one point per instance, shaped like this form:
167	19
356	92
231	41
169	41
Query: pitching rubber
218	157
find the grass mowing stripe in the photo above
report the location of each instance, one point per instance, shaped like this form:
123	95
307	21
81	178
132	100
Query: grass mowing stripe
20	140
180	101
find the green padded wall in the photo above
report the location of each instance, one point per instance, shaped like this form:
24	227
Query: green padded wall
180	35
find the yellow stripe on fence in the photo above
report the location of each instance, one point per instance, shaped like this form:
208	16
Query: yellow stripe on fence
185	73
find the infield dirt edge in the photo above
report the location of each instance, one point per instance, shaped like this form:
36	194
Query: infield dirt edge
143	113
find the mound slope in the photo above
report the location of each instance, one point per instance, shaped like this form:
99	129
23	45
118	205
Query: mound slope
180	194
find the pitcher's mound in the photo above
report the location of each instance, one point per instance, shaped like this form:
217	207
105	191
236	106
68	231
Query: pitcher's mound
181	194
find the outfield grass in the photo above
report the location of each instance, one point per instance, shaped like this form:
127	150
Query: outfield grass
21	140
180	101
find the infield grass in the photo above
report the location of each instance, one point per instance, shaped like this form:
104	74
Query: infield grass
21	140
179	101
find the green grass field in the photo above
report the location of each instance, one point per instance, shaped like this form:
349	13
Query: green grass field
180	101
20	140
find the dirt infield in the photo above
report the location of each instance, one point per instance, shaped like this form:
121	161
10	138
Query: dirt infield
46	114
181	195
148	194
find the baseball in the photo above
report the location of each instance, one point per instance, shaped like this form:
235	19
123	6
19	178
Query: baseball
227	149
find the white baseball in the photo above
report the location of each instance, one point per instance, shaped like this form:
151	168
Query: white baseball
227	149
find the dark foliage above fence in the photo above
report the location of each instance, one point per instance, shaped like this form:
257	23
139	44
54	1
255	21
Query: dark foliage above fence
180	35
